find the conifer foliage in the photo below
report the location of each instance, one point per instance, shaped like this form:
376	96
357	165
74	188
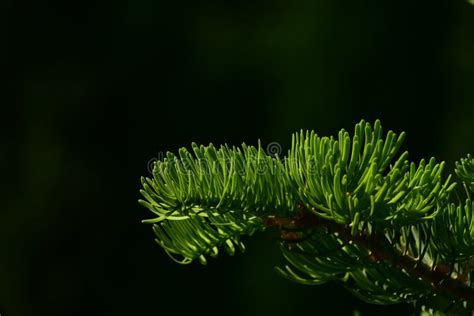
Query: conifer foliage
349	209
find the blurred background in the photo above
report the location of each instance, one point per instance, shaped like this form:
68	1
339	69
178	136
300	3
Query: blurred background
95	90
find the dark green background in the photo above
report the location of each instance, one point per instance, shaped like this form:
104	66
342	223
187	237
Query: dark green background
96	90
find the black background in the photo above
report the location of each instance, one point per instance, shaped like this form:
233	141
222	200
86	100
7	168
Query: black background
94	91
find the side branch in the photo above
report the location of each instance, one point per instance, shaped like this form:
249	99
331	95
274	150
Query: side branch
437	277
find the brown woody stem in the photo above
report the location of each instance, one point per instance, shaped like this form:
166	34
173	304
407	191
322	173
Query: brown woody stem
437	277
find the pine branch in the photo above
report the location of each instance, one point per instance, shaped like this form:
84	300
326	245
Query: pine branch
350	210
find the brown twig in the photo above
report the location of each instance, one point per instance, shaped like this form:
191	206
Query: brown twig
438	277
